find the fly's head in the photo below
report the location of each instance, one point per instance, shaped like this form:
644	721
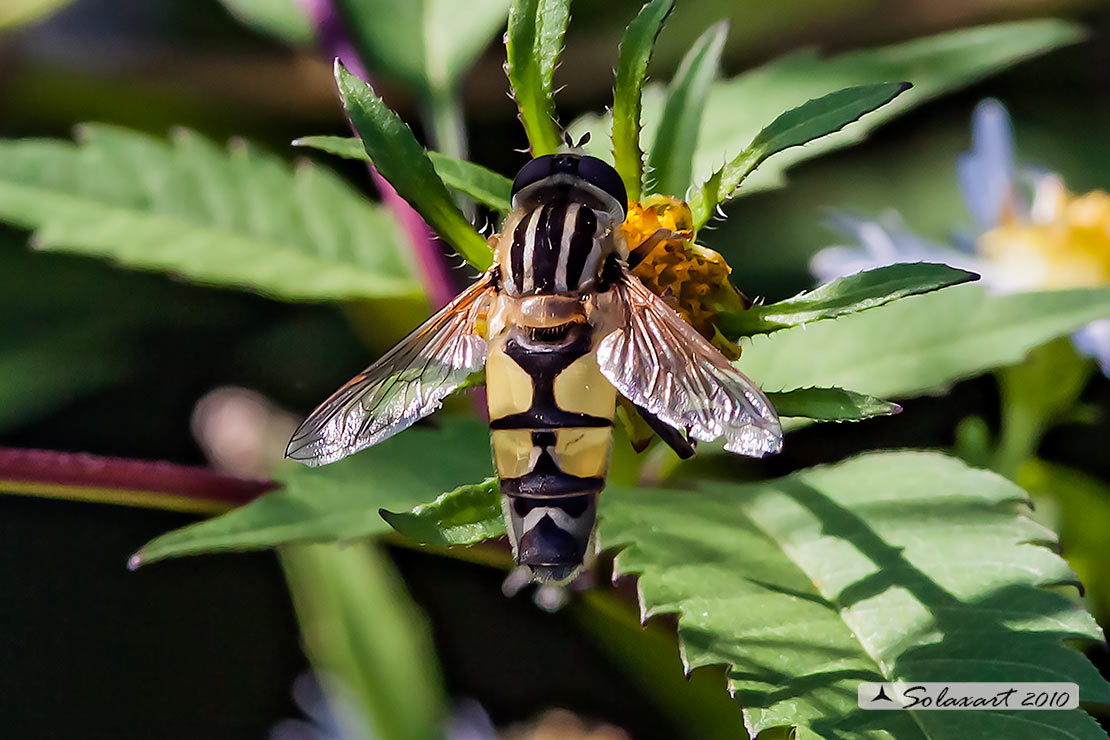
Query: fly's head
565	223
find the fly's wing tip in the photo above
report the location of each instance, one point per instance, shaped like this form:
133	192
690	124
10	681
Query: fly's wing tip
301	449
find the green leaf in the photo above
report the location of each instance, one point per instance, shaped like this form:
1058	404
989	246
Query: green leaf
464	516
846	295
369	644
341	501
283	19
811	120
1034	394
238	218
670	163
473	180
894	566
405	164
830	404
427	44
15	13
922	343
532	45
348	147
1078	506
632	63
738	108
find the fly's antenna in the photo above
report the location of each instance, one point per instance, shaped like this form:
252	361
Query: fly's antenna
569	142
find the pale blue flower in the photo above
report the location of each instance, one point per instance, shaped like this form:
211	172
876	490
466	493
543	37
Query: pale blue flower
1031	234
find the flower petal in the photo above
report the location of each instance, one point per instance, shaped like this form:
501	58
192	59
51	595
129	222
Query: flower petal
1093	340
880	243
986	173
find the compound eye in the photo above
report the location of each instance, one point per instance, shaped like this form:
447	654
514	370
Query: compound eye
533	172
602	176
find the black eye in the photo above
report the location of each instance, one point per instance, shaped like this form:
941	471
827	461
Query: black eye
533	172
602	176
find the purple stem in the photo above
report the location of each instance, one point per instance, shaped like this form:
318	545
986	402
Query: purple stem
333	39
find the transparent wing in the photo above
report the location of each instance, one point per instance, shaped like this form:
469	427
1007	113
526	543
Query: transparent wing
658	361
406	384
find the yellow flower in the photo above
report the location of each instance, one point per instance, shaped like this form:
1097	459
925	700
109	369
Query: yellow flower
691	278
1064	242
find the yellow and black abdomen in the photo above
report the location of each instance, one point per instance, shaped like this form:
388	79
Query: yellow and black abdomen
551	418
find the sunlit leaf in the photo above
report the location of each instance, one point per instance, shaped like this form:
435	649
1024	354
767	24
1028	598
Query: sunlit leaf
670	161
473	180
894	566
830	404
405	164
532	45
922	343
238	218
811	120
635	53
427	44
851	294
367	640
283	19
468	514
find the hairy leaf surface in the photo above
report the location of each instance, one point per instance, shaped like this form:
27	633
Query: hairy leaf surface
401	160
809	121
632	63
851	294
532	45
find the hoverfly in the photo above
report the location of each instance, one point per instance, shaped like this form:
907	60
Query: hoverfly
561	326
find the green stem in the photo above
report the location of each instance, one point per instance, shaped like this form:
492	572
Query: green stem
446	129
446	126
1020	433
698	706
1034	395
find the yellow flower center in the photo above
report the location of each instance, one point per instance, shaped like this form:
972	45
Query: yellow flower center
1064	244
691	278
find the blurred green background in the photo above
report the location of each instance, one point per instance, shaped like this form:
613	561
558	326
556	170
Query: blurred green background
96	359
